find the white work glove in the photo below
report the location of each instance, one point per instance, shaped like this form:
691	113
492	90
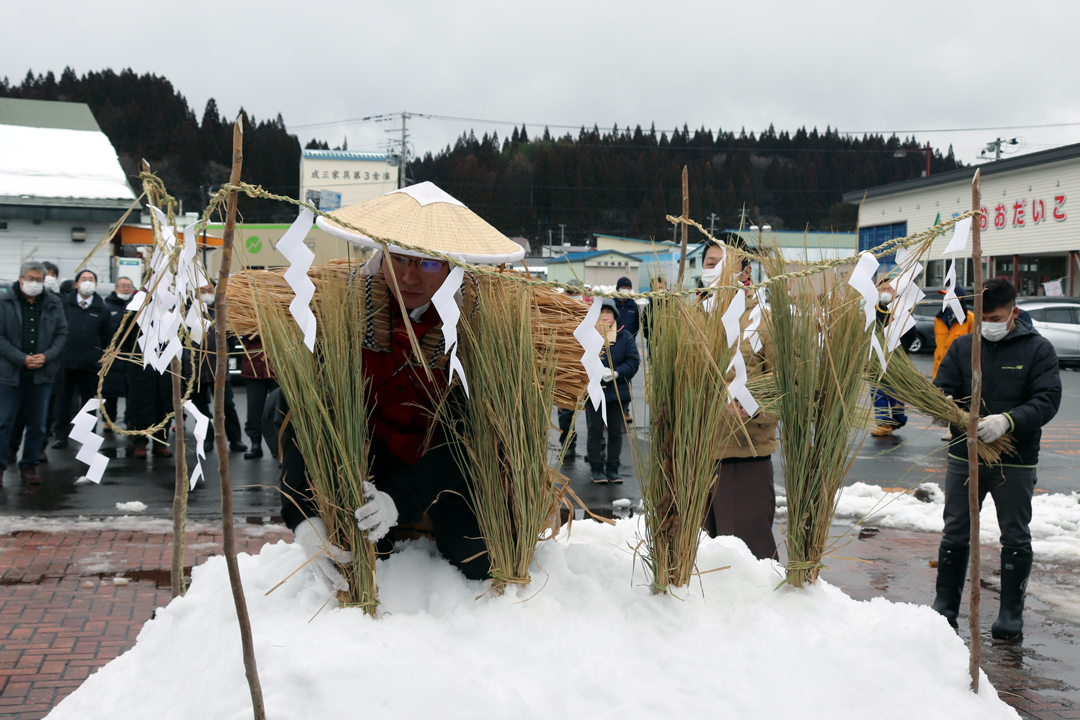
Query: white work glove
943	423
312	539
992	427
378	514
608	375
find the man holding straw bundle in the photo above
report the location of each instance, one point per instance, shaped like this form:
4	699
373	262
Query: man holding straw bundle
1021	392
412	470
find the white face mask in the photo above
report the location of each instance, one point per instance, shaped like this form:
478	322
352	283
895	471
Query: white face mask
51	283
886	298
86	288
994	331
123	296
207	299
710	275
31	289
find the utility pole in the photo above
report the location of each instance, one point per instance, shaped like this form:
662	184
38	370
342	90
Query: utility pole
712	223
562	233
550	231
742	217
995	145
404	140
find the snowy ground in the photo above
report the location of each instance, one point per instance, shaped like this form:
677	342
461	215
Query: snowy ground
586	639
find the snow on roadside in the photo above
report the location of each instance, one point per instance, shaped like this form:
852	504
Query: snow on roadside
126	523
586	639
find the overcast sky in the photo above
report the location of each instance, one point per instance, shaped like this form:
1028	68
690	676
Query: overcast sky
915	66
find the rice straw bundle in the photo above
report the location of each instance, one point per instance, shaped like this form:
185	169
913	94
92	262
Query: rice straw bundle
327	395
687	393
500	434
554	315
907	384
819	368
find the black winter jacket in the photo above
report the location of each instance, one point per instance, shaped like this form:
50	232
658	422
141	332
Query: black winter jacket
88	332
52	337
1020	379
625	361
116	379
629	315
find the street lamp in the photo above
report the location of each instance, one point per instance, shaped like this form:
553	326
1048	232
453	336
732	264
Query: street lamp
902	152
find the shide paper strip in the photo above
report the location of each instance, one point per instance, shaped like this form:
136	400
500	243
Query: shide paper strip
83	432
201	424
592	342
907	295
732	320
446	305
958	243
300	258
862	279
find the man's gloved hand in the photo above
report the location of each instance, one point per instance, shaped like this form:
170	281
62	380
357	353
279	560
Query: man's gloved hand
312	539
992	427
378	514
943	423
615	374
608	375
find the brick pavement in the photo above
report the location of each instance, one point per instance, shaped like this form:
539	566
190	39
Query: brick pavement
64	613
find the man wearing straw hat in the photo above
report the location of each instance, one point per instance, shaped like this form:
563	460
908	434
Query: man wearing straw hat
406	364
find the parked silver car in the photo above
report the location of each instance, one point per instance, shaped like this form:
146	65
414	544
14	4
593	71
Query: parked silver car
1059	322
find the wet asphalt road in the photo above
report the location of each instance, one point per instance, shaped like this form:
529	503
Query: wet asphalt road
915	454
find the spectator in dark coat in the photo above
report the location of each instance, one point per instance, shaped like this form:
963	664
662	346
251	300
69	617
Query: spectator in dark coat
259	381
204	367
620	358
629	312
88	336
33	332
1021	392
115	385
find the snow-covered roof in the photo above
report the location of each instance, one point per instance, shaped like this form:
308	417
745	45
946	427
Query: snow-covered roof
49	160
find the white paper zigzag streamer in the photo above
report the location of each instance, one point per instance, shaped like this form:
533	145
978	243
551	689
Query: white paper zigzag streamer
445	302
83	432
201	424
732	320
906	295
592	342
958	243
300	258
862	279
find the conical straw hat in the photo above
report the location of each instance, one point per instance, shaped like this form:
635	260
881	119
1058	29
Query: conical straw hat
424	216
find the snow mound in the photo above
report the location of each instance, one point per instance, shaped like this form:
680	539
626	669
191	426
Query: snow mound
133	506
51	162
1055	521
586	639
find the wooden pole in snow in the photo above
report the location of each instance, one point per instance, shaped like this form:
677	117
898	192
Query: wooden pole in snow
973	453
220	376
685	227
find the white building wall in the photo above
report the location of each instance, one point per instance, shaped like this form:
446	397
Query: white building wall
23	240
1014	191
356	180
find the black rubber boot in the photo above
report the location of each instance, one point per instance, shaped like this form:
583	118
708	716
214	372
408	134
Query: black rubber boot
1015	569
951	573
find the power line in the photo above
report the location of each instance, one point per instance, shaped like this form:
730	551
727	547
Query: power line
948	130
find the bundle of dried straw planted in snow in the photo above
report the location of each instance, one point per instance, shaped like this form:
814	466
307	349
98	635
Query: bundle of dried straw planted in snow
907	384
328	395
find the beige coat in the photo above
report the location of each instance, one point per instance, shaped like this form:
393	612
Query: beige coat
754	436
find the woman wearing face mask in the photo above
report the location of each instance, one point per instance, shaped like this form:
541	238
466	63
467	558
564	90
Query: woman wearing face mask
88	336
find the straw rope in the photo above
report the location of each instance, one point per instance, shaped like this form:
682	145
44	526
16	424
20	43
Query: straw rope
891	246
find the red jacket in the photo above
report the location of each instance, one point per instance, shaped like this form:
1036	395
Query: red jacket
253	363
401	396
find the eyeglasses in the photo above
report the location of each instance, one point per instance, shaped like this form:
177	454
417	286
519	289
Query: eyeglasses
427	265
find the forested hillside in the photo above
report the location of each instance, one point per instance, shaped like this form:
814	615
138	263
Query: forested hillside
621	181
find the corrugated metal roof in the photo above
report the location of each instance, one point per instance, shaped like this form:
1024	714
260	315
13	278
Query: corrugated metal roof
577	257
1044	157
47	114
344	155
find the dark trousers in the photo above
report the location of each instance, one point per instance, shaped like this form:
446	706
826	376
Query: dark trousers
81	383
203	397
149	401
257	390
1011	487
743	504
887	409
601	457
566	429
33	400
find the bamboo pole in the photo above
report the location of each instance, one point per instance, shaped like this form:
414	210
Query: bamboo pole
973	454
685	225
220	376
179	506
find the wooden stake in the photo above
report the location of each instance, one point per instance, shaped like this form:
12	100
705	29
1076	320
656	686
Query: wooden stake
180	491
220	376
685	227
973	454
